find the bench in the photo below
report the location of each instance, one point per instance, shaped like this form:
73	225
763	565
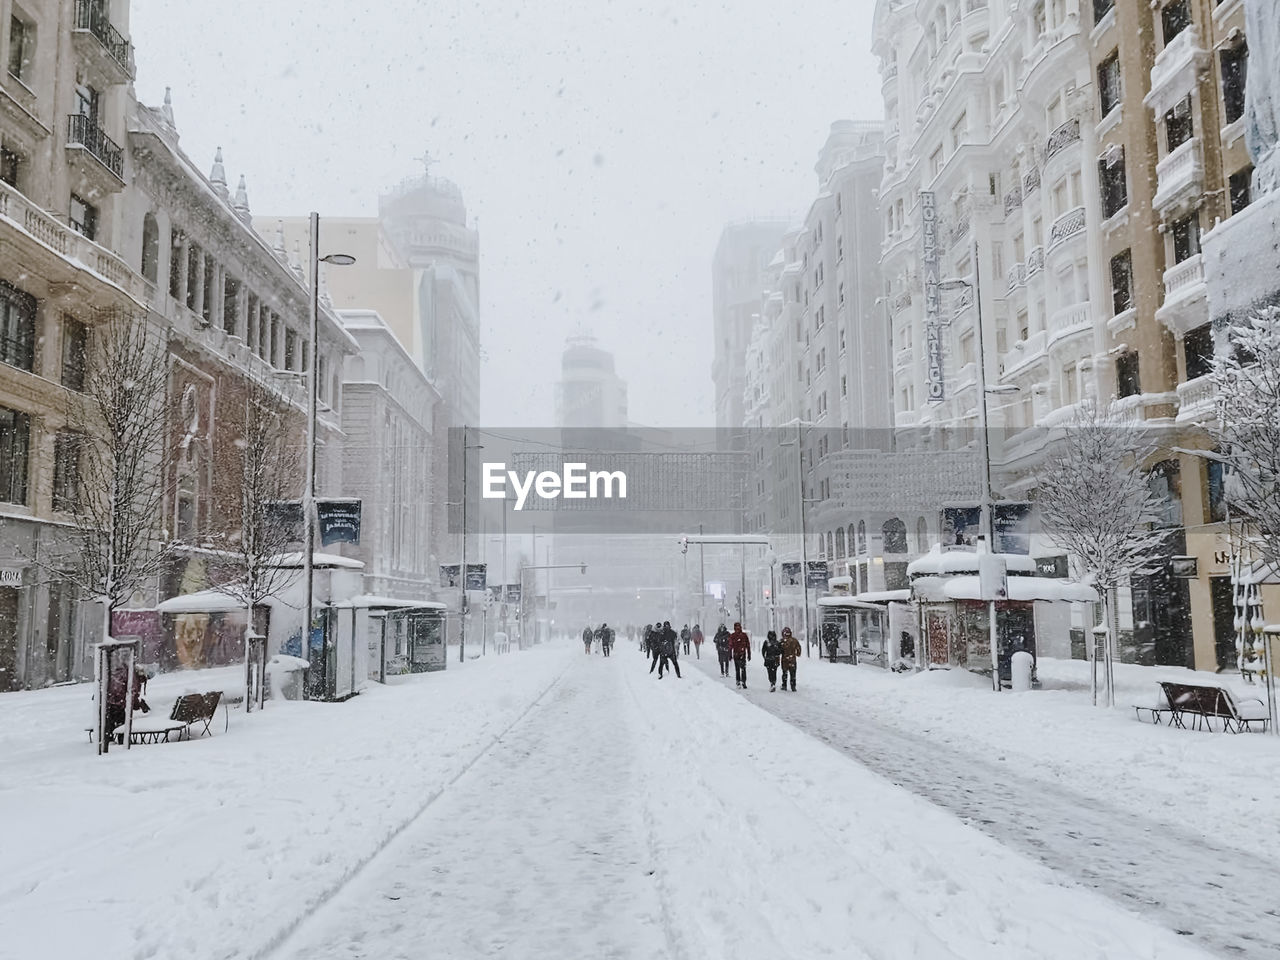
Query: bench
1203	704
189	710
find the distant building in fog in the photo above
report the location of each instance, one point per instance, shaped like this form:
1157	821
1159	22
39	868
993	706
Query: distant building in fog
590	393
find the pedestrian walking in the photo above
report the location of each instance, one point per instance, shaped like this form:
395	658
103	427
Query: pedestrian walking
697	641
606	639
740	647
686	637
645	638
722	649
670	652
790	651
771	653
654	643
587	636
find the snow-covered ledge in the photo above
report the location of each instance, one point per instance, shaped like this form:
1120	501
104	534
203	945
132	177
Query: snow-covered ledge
1174	73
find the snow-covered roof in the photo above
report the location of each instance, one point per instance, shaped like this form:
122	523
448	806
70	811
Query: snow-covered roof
884	596
368	601
1024	589
940	563
850	602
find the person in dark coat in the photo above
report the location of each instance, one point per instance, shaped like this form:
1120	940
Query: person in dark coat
722	649
670	651
685	638
644	638
740	647
655	646
606	638
791	650
697	641
771	653
587	637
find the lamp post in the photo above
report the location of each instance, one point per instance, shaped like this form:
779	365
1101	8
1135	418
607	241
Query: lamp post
313	385
988	506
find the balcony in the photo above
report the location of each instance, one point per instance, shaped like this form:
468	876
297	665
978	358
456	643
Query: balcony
1035	261
1179	176
1175	71
75	265
1069	320
100	43
1185	304
1064	136
1045	65
1030	182
1069	225
95	155
1017	276
1197	400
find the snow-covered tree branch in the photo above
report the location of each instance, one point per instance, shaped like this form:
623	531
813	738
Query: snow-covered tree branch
120	423
1095	502
1247	432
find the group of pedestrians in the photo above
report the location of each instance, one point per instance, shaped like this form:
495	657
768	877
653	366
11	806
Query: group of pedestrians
602	634
661	643
775	652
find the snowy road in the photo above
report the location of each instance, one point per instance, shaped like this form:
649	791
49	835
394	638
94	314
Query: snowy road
628	817
1221	897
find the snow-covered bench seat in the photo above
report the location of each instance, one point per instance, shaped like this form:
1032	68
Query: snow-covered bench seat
189	710
1203	704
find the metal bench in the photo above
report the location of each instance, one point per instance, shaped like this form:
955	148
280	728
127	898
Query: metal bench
1202	704
189	710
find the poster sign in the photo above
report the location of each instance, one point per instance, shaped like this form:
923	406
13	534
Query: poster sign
961	526
817	574
936	381
1013	528
449	573
476	576
513	593
339	520
1052	566
1186	568
10	576
286	514
791	574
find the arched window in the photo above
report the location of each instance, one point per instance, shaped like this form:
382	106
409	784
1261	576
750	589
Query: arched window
853	542
922	535
839	543
862	536
895	536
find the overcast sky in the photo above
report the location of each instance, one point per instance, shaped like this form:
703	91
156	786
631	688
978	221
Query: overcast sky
601	146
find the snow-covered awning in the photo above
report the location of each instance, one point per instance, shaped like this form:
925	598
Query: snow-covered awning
368	601
850	603
940	563
318	561
884	596
202	601
1023	589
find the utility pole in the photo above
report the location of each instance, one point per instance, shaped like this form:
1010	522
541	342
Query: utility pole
462	571
804	540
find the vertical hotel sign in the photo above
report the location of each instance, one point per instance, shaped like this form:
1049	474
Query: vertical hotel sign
932	311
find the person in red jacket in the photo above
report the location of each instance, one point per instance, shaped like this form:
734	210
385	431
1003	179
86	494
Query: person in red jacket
740	647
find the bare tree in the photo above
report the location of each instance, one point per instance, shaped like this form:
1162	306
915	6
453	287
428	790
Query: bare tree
1247	431
120	423
1096	503
268	465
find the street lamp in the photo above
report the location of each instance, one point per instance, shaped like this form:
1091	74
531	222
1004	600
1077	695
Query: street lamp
313	387
973	283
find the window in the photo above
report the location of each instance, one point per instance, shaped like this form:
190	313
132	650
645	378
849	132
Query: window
894	532
231	305
82	217
1178	125
966	347
87	101
842	339
1101	8
10	164
1186	237
290	349
839	247
193	275
844	385
839	205
66	471
22	36
206	307
1115	189
1235	72
1127	382
150	247
1241	189
1023	328
840	292
1109	83
75	353
819	318
15	441
17	327
1121	282
1174	18
1214	476
175	263
1197	348
1069	393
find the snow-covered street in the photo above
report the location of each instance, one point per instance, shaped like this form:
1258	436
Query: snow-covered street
549	804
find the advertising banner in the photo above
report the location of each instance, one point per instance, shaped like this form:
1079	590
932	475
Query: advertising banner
817	574
476	576
339	520
934	353
1013	528
791	574
961	526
